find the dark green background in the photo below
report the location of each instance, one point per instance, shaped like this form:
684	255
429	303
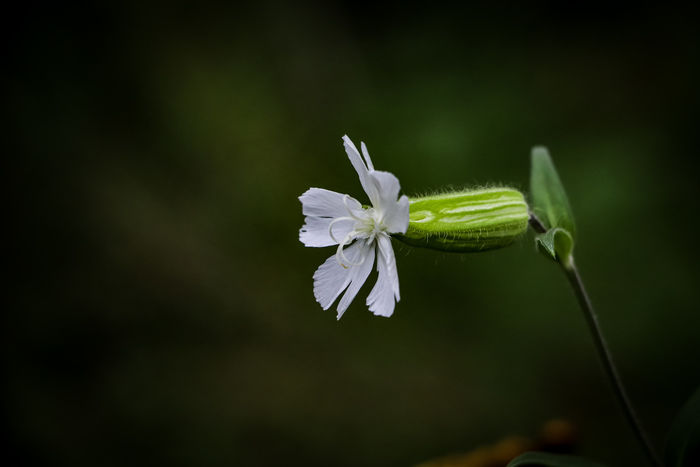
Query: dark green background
161	308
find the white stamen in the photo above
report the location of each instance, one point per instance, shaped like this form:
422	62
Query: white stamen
330	226
340	255
345	202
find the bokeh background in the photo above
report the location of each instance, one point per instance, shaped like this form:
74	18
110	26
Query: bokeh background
160	304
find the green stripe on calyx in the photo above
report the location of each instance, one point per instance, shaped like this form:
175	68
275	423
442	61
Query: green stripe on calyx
467	221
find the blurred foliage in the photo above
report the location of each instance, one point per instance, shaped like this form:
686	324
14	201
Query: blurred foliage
161	308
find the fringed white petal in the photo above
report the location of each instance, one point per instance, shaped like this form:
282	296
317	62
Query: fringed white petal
326	203
330	279
358	276
365	153
383	297
396	219
316	232
387	187
363	172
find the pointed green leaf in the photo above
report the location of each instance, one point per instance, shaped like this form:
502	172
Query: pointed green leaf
545	459
545	244
557	243
683	444
549	201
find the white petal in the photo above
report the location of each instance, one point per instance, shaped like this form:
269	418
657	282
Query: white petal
330	279
397	216
385	294
315	232
387	186
326	203
394	213
358	276
370	166
367	184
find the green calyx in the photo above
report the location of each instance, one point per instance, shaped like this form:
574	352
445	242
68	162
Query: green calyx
467	221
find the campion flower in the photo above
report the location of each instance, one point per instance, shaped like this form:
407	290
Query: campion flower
360	233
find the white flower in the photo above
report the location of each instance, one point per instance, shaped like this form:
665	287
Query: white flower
337	219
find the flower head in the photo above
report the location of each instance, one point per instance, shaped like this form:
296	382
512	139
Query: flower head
360	233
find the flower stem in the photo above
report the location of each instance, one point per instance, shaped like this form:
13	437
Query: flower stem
608	365
606	360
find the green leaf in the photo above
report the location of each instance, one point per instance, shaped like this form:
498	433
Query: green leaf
549	201
683	443
557	243
545	459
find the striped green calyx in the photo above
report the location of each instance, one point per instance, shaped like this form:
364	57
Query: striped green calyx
466	221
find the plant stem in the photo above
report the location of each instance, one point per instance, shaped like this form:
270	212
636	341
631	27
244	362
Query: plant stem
574	278
606	359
